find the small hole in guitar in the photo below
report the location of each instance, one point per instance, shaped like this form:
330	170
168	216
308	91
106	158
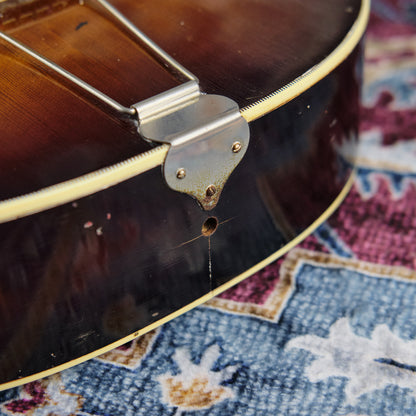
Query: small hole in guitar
209	226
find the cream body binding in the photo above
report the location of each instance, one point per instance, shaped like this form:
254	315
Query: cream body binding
68	191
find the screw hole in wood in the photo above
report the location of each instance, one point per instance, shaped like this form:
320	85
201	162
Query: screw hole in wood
209	226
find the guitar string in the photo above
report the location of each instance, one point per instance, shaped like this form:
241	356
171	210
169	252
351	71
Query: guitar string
155	52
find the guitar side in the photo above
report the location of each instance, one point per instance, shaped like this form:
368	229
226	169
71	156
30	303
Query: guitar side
93	272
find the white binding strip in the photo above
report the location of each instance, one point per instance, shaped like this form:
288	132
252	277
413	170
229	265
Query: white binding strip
315	74
71	190
325	215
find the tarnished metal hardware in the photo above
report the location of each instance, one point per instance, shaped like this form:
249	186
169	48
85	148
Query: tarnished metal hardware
181	173
236	147
208	137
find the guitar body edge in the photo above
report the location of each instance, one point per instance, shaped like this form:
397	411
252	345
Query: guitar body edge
87	276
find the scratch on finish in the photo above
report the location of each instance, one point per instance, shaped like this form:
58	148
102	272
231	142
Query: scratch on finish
88	224
210	264
225	221
79	25
82	337
201	235
189	241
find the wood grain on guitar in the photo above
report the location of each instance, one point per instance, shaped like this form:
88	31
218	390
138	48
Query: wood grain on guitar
96	248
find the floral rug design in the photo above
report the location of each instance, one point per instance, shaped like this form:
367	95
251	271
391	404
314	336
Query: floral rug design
329	329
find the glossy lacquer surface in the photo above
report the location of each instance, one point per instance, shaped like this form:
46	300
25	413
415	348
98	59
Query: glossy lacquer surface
242	49
82	275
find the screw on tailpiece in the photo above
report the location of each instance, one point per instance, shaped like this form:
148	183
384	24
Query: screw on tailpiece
236	147
210	191
181	173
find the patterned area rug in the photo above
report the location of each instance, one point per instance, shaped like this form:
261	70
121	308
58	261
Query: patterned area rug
330	329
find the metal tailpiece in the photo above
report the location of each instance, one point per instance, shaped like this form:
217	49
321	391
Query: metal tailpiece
208	137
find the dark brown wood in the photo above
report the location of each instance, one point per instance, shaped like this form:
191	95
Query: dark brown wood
241	49
82	275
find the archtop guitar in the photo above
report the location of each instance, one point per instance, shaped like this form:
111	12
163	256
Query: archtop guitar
155	153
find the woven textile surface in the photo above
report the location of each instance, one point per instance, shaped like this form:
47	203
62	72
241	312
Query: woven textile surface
330	329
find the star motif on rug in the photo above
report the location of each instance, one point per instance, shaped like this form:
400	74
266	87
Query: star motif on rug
197	386
368	364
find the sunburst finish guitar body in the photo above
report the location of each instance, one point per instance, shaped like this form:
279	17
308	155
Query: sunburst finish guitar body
212	157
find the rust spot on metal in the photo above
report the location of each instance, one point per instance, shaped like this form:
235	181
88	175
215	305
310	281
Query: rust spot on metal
211	191
181	173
